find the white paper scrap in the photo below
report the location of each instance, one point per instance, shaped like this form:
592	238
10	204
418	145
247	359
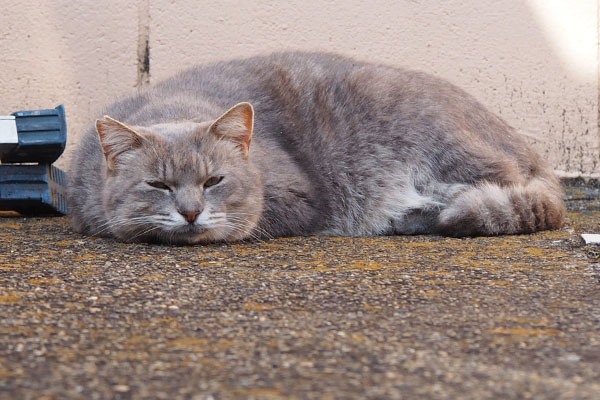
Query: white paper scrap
591	238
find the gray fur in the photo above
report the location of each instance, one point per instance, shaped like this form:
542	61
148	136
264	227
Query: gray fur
339	147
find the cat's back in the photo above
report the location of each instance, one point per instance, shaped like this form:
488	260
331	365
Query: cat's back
328	111
318	93
322	105
289	77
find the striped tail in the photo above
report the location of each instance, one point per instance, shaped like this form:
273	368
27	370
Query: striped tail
489	209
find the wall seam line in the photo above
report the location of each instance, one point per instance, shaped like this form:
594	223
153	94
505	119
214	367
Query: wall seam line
143	45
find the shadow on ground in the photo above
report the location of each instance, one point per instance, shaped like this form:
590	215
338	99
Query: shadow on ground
390	317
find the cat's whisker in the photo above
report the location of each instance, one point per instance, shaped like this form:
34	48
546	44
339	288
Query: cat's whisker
233	217
144	232
117	222
240	214
244	222
254	233
109	225
245	230
233	228
158	157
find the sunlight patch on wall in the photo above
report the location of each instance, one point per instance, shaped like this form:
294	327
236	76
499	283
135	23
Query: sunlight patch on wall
572	27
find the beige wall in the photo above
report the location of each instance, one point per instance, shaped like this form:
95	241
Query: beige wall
534	62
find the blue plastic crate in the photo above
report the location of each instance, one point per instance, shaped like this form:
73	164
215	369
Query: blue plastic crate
33	189
29	184
42	136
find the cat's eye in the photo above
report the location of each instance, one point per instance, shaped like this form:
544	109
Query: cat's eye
212	181
159	185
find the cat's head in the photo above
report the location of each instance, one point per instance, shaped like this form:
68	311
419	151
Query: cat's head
181	182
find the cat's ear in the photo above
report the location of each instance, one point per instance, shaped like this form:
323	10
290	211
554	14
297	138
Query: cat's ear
236	124
116	138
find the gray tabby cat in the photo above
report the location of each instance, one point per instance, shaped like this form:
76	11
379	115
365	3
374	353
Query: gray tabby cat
325	145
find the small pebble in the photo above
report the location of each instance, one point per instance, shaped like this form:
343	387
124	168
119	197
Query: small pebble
121	388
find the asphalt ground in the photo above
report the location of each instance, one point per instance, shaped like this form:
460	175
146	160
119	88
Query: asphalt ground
510	317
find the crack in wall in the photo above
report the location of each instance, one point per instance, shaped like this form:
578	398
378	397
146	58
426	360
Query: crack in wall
143	48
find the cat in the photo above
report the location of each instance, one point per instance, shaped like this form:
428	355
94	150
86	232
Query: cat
299	143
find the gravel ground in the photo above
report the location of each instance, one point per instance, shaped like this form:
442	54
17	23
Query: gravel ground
300	318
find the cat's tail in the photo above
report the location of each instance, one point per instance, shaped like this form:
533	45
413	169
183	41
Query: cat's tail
490	209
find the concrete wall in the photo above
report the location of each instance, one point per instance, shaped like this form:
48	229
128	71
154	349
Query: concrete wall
534	62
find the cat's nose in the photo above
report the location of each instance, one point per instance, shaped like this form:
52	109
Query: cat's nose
190	216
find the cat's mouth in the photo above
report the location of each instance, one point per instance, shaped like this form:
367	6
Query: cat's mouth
191	228
185	234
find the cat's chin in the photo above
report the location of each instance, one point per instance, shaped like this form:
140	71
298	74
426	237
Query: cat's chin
183	235
188	235
191	239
